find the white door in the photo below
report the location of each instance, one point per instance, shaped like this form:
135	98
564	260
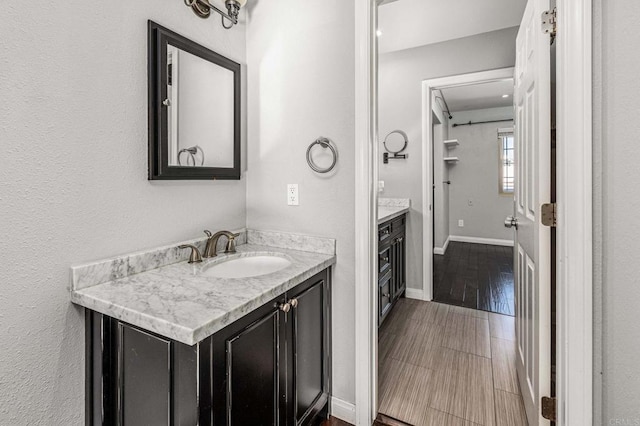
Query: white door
533	188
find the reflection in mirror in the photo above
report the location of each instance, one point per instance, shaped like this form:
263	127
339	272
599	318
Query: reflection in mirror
199	112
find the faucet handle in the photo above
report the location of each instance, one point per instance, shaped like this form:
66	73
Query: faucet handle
231	244
195	256
208	233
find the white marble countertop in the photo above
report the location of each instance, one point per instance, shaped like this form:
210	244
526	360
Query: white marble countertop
178	303
386	213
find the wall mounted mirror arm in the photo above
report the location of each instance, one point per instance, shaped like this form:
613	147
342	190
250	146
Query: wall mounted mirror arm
395	143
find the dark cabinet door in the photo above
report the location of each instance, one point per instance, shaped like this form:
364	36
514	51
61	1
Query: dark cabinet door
248	383
398	251
144	391
137	378
309	371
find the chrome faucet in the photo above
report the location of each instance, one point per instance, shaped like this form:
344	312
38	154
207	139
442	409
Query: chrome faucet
212	243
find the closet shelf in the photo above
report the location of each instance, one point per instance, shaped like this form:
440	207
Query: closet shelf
451	159
451	142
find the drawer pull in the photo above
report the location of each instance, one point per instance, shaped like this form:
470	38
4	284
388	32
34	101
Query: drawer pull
285	307
387	295
385	259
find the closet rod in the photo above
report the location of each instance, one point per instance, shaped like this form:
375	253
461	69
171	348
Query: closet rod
471	123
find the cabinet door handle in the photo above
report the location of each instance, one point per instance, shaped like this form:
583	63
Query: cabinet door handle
294	303
386	295
285	307
385	259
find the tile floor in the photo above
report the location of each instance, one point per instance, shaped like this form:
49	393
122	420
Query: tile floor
448	365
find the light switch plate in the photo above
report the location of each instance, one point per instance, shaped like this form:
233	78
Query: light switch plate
292	195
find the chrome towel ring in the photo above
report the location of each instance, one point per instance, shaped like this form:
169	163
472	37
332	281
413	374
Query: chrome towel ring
325	143
192	154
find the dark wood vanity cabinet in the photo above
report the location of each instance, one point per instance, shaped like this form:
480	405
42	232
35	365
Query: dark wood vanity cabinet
270	367
392	275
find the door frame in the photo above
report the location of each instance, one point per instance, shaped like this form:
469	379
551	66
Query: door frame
574	321
427	161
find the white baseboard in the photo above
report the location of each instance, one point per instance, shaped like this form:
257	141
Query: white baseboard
477	240
442	250
414	293
343	410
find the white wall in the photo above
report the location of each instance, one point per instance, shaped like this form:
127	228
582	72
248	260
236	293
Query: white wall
475	177
616	204
301	70
400	107
73	181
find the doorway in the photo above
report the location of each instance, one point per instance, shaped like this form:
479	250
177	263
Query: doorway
574	223
473	169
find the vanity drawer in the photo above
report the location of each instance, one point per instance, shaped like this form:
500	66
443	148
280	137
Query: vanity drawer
384	297
398	225
384	260
384	231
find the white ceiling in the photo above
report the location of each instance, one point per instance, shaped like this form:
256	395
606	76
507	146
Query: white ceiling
479	96
411	23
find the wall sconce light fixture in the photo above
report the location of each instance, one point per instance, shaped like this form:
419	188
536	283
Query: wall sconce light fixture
203	9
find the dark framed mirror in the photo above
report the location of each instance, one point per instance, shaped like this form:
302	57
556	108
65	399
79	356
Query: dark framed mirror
194	109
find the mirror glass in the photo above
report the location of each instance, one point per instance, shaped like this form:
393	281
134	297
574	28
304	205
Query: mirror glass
199	111
395	142
194	109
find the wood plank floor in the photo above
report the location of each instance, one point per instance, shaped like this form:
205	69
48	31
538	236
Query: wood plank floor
448	365
477	276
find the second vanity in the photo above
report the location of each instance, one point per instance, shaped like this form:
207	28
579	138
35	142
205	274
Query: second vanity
173	343
392	253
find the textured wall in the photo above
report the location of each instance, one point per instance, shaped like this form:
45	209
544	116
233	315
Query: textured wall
616	202
400	106
73	181
301	70
475	177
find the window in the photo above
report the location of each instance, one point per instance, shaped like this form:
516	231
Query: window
507	161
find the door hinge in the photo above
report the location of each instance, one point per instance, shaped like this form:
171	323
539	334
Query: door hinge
548	407
550	23
549	214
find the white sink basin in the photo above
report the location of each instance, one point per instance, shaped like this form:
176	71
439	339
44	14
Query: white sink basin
244	267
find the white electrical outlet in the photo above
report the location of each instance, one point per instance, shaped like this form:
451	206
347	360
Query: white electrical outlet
460	223
292	195
380	185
